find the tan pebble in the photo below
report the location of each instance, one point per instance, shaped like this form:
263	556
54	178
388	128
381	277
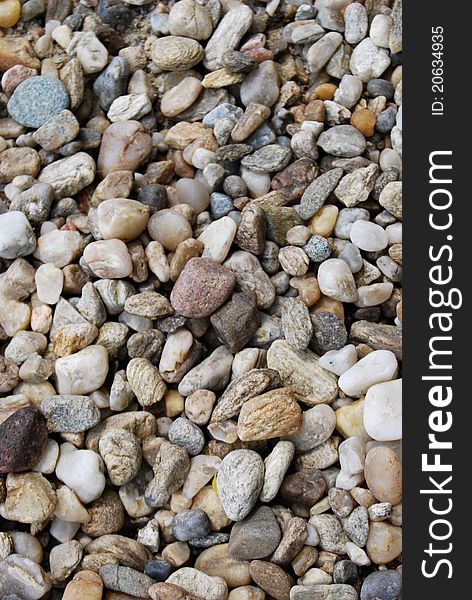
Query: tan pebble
308	288
177	553
176	53
86	585
180	135
384	543
208	500
324	221
364	120
169	228
199	405
247	592
221	78
30	498
326	304
269	415
10	11
325	91
145	381
169	591
187	249
174	403
216	561
383	474
180	97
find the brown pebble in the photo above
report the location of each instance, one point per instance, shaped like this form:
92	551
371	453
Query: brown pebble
272	579
364	120
325	91
23	437
201	288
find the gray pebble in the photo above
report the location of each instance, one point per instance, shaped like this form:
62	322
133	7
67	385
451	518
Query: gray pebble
261	85
212	539
70	414
34	202
146	344
356	525
221	204
329	332
342	140
239	482
352	256
111	83
263	136
186	434
126	580
317	248
346	218
380	87
37	99
382	585
386	120
296	323
222	111
256	536
269	159
189	524
318	192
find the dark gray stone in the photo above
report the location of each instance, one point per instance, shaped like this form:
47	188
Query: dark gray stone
256	536
111	83
382	585
380	87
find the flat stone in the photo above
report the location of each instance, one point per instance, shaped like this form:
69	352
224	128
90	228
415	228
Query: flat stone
377	367
318	192
300	370
342	140
69	413
239	482
272	579
256	536
385	585
383	474
126	580
37	99
199	584
70	175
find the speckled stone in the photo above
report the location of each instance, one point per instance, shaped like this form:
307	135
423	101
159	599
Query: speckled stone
37	99
201	288
23	438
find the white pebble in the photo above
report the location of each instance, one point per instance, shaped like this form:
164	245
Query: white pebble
339	361
383	411
377	367
368	236
49	280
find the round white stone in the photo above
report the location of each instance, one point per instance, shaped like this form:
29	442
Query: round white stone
368	236
339	361
49	280
383	411
336	280
217	239
352	455
82	372
377	367
81	471
373	295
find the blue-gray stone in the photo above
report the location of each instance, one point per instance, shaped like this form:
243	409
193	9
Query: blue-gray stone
386	120
317	248
158	569
111	83
380	87
382	585
189	524
220	205
222	111
263	136
36	100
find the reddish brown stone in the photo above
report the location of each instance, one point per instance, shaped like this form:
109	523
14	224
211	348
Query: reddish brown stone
201	288
23	437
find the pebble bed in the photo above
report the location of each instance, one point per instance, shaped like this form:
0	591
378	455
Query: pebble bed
200	300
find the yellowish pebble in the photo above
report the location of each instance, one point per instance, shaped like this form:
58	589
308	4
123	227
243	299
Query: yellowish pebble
324	221
10	11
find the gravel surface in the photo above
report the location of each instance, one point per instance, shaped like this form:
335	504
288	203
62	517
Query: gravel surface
200	299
